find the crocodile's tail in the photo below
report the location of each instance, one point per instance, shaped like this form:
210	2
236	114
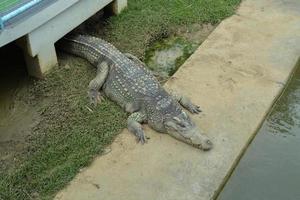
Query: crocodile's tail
85	46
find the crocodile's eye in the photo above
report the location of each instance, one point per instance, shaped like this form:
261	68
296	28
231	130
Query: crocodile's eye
182	125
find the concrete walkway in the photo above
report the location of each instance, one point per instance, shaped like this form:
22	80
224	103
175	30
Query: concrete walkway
235	76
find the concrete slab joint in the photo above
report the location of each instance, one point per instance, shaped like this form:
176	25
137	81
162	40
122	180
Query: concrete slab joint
39	64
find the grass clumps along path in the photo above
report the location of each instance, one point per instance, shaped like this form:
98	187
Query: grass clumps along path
69	135
147	21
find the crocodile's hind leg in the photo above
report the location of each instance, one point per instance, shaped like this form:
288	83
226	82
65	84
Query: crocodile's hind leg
97	82
186	103
134	126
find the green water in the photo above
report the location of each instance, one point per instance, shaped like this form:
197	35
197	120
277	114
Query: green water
166	56
270	168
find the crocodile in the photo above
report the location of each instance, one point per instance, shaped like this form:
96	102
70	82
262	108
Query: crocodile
124	79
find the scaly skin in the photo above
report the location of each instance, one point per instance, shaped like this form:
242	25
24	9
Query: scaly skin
124	79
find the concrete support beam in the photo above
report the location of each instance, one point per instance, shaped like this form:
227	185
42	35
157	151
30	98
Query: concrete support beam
118	6
45	59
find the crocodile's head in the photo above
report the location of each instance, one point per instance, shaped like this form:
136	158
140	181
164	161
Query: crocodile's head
184	129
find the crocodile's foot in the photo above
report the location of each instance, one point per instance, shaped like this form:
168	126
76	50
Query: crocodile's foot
195	109
134	125
140	137
95	97
186	103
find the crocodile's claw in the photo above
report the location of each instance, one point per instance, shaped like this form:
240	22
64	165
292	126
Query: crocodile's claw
194	109
141	137
95	97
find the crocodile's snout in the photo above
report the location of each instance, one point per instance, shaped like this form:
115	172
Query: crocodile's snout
205	145
199	139
182	128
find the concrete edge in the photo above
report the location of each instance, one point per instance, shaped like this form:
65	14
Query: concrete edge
248	143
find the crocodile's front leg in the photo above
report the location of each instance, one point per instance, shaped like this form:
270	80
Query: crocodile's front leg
97	82
186	103
134	125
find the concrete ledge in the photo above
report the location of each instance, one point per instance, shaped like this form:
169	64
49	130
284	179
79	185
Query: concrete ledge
43	29
235	76
15	31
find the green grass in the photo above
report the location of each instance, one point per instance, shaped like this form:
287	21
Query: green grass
69	136
146	21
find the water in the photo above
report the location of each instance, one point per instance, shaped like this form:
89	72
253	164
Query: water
270	168
166	56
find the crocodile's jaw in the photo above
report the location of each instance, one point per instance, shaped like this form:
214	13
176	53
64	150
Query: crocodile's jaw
192	137
199	139
184	129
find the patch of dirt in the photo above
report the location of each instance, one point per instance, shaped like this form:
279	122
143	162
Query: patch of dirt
16	118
